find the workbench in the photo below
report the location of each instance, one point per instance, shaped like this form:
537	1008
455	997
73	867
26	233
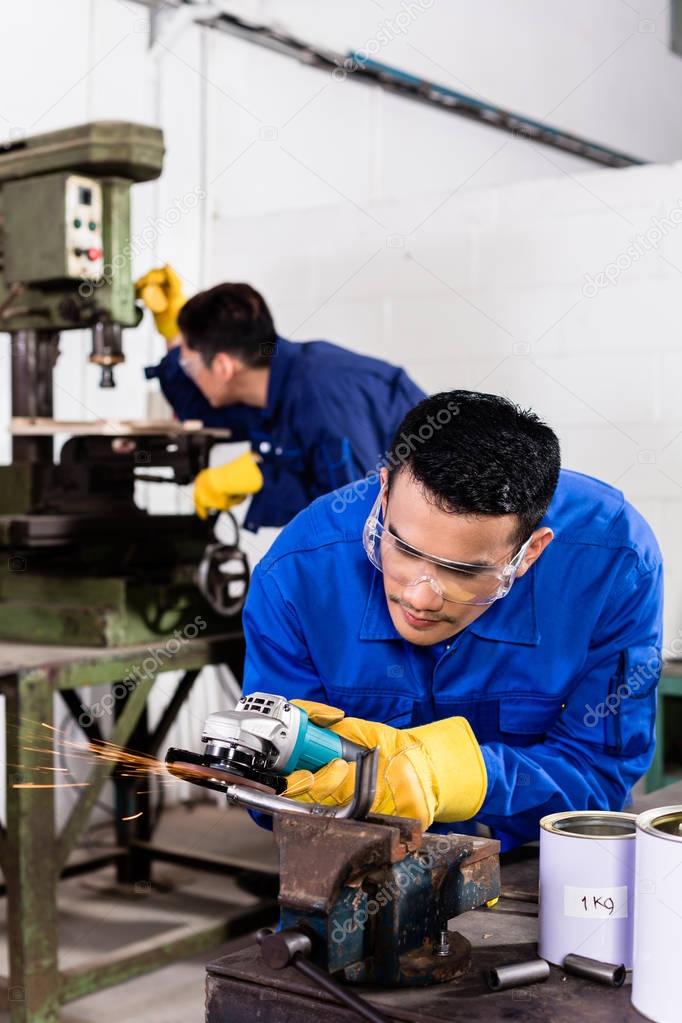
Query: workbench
240	988
34	854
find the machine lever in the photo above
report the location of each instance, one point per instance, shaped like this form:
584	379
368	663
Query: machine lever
293	948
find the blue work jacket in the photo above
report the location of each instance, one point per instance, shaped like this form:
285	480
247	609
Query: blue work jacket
330	418
557	679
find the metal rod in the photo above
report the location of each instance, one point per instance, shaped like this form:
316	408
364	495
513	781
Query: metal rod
72	701
356	65
517	974
611	974
293	947
182	691
366	768
332	987
358	808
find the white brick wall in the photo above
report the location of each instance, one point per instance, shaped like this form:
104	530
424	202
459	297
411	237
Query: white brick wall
489	294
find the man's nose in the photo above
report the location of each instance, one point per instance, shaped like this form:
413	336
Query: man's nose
424	594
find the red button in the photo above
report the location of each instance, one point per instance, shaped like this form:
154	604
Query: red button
94	253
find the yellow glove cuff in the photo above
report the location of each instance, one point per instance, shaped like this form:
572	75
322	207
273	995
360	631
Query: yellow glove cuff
320	713
458	768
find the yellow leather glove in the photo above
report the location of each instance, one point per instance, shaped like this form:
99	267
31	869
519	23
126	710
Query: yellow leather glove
161	291
432	772
226	485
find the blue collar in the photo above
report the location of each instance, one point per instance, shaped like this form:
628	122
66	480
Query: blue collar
280	367
512	619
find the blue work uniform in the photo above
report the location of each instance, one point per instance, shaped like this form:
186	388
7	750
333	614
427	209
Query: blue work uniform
330	418
557	679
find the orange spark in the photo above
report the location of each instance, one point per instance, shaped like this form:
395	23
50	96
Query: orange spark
60	785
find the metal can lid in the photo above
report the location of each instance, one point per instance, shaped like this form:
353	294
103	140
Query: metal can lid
591	824
662	822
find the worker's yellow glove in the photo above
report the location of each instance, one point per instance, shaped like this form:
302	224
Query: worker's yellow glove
161	292
226	485
432	773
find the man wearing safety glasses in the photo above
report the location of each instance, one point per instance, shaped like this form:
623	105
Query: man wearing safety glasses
316	415
491	622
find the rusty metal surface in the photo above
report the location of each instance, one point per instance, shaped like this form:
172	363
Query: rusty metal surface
233	1000
376	895
318	855
426	968
410	831
240	989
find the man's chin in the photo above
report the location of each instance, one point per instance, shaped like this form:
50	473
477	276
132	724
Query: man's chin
421	632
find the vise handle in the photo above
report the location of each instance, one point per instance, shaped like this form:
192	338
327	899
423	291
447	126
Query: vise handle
292	947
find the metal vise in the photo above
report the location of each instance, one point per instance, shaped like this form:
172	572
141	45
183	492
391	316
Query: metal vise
375	896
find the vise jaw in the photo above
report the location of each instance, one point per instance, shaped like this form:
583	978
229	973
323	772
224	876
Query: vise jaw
375	896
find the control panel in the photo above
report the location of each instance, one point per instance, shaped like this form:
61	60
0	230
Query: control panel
53	229
83	228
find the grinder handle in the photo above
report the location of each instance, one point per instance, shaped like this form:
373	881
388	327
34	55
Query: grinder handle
316	746
350	751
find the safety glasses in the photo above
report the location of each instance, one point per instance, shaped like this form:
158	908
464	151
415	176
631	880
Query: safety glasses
454	581
191	365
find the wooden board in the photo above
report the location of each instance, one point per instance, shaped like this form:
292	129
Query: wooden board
26	426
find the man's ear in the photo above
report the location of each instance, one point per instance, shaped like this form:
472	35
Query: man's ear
223	366
540	540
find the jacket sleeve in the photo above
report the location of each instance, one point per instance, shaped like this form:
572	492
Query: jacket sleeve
277	657
604	740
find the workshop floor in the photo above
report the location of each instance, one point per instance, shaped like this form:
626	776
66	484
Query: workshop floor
96	916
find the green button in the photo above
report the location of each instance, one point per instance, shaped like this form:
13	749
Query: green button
77	222
92	225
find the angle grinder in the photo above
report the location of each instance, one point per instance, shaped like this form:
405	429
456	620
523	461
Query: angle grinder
258	744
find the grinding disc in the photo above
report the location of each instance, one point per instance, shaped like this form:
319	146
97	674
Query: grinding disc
194	772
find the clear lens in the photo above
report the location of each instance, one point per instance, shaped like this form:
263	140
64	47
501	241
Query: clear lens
458	583
189	365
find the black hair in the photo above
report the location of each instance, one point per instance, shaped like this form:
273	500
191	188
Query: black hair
479	454
230	318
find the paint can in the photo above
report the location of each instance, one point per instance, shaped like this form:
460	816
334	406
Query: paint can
658	915
587	869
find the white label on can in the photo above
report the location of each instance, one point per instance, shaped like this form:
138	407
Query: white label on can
596	903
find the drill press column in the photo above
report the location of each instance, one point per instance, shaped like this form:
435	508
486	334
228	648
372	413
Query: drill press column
33	353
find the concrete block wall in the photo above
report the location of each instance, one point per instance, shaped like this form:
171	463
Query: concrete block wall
499	292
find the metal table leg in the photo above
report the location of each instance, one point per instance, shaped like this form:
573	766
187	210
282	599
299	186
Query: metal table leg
33	855
132	798
30	860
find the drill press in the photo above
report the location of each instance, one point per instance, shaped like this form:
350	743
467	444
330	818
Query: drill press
82	563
